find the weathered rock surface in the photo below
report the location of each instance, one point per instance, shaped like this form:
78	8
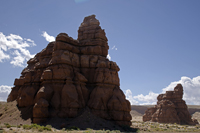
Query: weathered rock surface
70	75
170	108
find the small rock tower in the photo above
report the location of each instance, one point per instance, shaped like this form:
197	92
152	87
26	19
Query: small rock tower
170	108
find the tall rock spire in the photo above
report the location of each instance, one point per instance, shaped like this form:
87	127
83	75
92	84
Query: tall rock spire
70	75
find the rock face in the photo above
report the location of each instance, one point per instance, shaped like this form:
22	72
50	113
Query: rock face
170	108
70	75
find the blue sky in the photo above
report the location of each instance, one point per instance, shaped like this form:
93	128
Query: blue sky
155	43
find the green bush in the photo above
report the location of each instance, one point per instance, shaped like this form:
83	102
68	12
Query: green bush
38	127
7	125
34	126
107	131
73	128
47	128
158	129
27	127
18	126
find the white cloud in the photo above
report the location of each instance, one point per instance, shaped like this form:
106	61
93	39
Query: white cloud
108	57
3	55
18	60
151	98
14	47
191	95
129	97
4	92
114	48
48	37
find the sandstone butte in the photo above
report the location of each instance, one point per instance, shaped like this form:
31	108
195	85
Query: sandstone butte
170	108
70	75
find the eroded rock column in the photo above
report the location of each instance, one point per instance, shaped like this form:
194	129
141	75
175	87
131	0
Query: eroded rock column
170	108
70	75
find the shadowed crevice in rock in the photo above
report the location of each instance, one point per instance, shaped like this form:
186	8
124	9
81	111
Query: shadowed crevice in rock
70	75
170	108
26	112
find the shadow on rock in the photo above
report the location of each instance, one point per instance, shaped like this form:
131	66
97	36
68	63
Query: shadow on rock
86	121
26	112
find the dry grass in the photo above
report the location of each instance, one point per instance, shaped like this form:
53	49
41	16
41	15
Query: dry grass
144	127
159	127
38	128
11	122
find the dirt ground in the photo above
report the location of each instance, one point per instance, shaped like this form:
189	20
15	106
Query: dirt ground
137	122
12	120
11	115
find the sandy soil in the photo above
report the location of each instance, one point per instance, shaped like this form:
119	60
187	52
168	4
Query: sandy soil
14	116
11	114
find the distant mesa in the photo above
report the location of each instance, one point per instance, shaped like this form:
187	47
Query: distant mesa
170	108
71	75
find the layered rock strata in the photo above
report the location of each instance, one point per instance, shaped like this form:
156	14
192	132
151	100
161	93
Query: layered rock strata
70	75
170	108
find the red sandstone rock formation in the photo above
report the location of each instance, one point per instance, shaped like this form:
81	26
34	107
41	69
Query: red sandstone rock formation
70	75
170	108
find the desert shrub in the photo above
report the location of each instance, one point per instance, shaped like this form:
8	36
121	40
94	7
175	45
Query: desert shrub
98	131
38	127
5	108
185	128
73	128
34	126
165	129
107	131
7	125
18	126
152	126
158	129
26	127
47	128
89	130
116	131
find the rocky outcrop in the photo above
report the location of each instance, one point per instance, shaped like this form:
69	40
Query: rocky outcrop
70	75
170	108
